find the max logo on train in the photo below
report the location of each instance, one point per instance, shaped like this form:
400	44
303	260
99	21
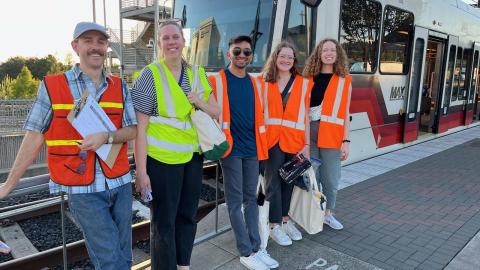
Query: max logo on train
397	92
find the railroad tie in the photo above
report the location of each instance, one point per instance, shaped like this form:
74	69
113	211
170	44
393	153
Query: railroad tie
14	237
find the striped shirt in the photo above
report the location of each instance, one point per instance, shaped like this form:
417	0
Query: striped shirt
40	116
144	94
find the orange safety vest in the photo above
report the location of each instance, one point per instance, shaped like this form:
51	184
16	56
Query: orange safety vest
287	127
334	112
62	139
219	83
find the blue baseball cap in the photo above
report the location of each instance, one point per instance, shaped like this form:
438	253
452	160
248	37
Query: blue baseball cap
83	27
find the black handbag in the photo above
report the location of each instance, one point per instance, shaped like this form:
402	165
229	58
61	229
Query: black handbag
294	168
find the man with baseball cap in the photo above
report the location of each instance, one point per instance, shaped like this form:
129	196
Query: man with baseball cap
99	196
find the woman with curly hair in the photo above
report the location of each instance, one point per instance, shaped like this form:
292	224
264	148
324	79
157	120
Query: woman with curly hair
329	117
287	100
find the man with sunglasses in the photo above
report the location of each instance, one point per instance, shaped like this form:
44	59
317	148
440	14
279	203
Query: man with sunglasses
99	196
241	119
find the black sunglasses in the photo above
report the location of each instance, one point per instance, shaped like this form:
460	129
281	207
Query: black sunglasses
237	51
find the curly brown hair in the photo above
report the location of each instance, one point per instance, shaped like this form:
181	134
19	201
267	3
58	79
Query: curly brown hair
270	70
313	66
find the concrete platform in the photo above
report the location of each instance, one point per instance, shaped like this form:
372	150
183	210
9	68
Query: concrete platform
416	208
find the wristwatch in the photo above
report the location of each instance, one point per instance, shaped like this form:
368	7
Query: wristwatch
110	137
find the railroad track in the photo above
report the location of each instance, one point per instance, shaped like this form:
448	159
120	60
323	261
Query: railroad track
24	252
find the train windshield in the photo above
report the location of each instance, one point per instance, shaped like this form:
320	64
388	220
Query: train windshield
209	24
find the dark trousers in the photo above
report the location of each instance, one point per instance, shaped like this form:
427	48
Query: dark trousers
278	192
176	191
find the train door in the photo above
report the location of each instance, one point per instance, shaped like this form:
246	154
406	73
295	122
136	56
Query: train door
431	85
445	96
471	112
411	120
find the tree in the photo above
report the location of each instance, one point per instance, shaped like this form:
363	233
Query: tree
12	67
6	87
25	86
39	67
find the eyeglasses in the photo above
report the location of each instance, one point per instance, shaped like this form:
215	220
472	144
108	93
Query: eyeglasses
246	51
82	166
286	57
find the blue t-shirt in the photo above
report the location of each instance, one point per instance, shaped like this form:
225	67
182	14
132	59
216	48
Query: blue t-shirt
241	97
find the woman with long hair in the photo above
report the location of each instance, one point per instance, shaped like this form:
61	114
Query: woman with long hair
168	162
330	117
287	100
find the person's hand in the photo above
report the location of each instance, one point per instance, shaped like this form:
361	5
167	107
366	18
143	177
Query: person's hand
5	190
194	98
142	183
93	141
345	149
306	151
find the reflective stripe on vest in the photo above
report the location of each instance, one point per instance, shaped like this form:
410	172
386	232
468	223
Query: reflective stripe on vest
102	104
261	129
174	122
63	142
174	147
336	105
167	95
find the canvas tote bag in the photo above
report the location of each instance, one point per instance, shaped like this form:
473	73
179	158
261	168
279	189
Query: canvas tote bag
263	208
211	138
307	208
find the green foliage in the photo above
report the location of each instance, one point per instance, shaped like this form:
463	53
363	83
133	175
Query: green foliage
39	67
12	67
25	86
6	86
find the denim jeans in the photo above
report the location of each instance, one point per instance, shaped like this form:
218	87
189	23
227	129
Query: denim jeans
105	219
240	178
329	173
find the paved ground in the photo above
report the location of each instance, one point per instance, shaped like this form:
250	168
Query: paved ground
416	208
417	216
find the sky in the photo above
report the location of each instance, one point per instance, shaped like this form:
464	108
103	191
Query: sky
32	28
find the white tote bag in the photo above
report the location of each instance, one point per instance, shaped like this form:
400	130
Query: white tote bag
307	209
263	226
211	138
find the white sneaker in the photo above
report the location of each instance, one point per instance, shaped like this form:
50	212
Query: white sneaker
253	262
277	234
292	231
331	221
263	255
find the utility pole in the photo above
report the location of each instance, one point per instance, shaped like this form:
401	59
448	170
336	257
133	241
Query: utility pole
104	14
93	8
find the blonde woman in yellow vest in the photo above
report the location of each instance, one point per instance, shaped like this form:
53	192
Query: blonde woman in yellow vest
168	162
329	117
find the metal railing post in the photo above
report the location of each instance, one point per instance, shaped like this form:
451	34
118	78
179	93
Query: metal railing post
216	195
64	241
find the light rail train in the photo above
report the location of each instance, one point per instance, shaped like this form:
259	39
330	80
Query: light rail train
415	63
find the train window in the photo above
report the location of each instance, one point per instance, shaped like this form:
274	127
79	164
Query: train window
457	74
475	76
360	31
464	75
209	27
397	33
296	32
416	76
449	75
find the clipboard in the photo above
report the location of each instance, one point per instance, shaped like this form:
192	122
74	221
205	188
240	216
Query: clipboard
87	117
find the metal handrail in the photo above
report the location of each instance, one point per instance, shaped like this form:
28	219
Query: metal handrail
137	3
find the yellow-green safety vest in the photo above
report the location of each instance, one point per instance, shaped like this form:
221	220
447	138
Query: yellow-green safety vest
171	137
